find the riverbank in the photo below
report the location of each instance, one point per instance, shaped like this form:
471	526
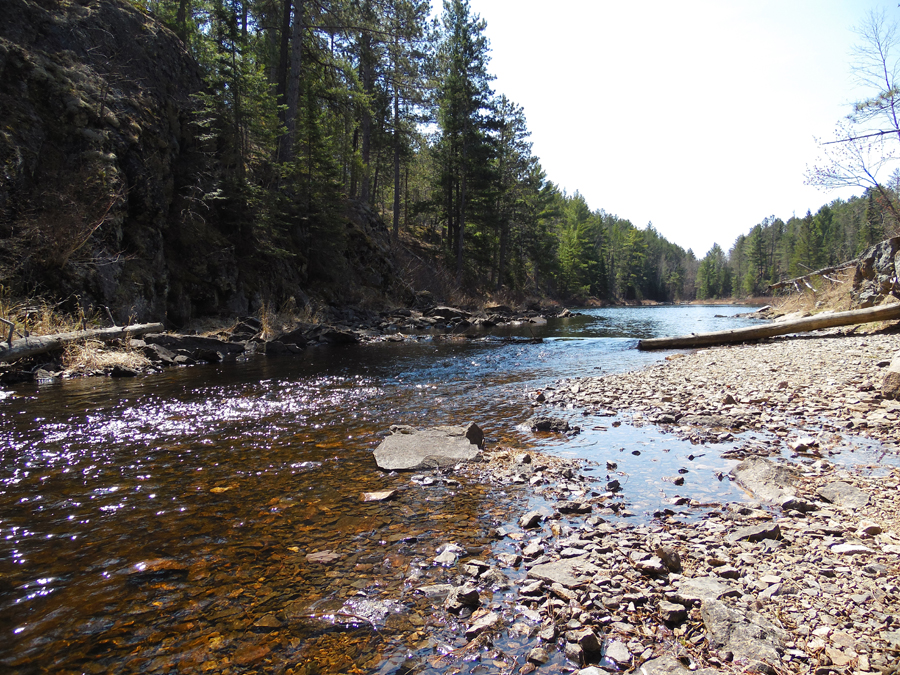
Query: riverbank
274	335
804	579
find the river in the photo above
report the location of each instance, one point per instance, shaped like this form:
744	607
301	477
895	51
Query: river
208	519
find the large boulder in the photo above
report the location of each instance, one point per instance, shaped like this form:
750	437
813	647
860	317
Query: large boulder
744	633
877	271
890	386
409	449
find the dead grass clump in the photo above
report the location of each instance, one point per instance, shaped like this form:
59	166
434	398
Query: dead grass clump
91	356
289	316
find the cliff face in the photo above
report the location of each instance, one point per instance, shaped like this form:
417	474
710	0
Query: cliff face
102	171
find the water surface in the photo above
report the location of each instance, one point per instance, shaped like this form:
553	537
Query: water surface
209	518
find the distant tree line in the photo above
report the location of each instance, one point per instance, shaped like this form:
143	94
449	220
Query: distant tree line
775	250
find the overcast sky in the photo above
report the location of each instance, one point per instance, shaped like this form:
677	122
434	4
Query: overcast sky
699	116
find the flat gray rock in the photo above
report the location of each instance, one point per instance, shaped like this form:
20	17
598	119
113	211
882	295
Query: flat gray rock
755	533
408	449
703	588
668	665
765	480
843	494
746	634
568	573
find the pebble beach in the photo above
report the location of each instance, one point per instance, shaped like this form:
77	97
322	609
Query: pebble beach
802	577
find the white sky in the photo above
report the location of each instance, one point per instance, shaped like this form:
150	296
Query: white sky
697	115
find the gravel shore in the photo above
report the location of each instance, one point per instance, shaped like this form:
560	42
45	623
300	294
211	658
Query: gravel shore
803	579
788	386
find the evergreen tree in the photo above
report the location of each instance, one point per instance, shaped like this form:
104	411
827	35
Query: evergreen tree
463	97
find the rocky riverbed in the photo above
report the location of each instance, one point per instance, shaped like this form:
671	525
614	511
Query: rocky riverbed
803	578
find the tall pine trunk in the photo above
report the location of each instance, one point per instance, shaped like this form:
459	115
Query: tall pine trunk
292	90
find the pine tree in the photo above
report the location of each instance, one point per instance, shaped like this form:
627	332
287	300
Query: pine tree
463	96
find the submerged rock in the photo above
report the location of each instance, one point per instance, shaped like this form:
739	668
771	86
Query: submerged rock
409	449
547	423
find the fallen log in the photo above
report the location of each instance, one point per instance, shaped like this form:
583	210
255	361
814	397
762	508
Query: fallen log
40	344
883	313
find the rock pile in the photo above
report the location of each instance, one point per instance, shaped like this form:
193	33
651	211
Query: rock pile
807	582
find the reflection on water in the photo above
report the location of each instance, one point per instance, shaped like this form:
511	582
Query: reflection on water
210	518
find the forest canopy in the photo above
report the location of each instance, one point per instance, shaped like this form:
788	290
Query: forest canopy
313	102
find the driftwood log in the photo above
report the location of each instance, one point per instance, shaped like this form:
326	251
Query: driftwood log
884	313
32	346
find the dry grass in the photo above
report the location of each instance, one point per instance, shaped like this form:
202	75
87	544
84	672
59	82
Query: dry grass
91	356
824	295
39	317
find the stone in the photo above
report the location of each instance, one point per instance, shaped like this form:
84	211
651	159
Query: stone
482	624
652	567
843	494
531	519
323	557
748	635
547	423
538	656
766	480
382	496
448	555
755	533
618	652
568	573
850	549
698	589
728	572
890	385
269	621
588	641
409	449
671	613
574	507
462	597
669	665
574	653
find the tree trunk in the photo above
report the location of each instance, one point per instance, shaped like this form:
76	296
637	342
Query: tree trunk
366	75
31	346
888	313
292	90
181	20
396	229
461	223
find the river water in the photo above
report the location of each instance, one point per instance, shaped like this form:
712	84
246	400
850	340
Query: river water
208	519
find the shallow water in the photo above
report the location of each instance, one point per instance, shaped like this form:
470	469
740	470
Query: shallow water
166	523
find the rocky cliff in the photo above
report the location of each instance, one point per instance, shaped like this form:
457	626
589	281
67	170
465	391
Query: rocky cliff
104	170
877	275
